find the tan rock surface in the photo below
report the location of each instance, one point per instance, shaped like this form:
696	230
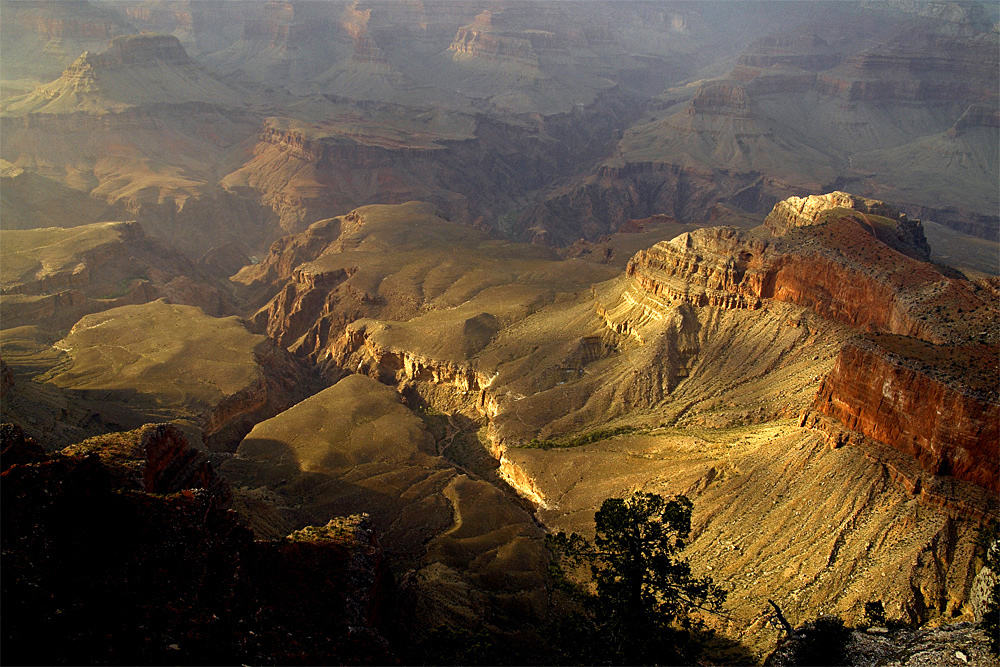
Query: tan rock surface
475	552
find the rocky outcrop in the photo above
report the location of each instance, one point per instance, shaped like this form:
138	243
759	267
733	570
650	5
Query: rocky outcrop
117	546
134	71
284	256
129	51
921	384
705	268
724	99
898	392
155	458
794	212
849	259
358	348
957	644
480	41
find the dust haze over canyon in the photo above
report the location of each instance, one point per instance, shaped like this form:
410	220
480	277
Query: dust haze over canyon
317	316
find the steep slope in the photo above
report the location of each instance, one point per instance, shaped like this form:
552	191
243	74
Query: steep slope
923	413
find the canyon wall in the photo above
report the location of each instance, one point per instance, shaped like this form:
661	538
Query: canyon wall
951	428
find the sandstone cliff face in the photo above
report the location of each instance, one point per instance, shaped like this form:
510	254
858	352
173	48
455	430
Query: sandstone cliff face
480	42
476	169
833	254
948	424
721	100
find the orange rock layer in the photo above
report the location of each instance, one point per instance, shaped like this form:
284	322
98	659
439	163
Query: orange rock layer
950	430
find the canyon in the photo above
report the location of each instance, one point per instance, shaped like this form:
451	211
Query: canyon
342	307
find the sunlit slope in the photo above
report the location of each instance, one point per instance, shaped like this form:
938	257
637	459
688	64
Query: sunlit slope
478	555
778	515
144	363
393	263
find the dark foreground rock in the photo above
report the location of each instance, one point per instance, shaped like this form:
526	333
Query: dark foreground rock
813	644
122	552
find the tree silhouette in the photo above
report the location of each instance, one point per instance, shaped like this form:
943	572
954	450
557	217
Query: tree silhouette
638	606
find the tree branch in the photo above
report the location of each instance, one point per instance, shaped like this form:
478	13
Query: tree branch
781	618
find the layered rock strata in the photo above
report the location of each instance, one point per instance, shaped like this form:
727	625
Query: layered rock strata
921	384
800	113
949	424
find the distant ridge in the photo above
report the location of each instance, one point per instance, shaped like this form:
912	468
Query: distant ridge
135	70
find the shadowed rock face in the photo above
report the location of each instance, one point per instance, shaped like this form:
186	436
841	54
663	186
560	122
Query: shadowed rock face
123	546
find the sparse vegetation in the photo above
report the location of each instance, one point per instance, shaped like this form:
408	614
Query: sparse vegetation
580	440
822	642
448	646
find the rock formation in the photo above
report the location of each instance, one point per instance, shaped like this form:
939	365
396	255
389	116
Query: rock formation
129	365
144	127
420	349
476	554
54	276
135	70
42	39
809	97
936	403
123	546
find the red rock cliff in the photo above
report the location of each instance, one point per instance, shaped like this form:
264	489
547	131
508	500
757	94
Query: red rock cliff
893	390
